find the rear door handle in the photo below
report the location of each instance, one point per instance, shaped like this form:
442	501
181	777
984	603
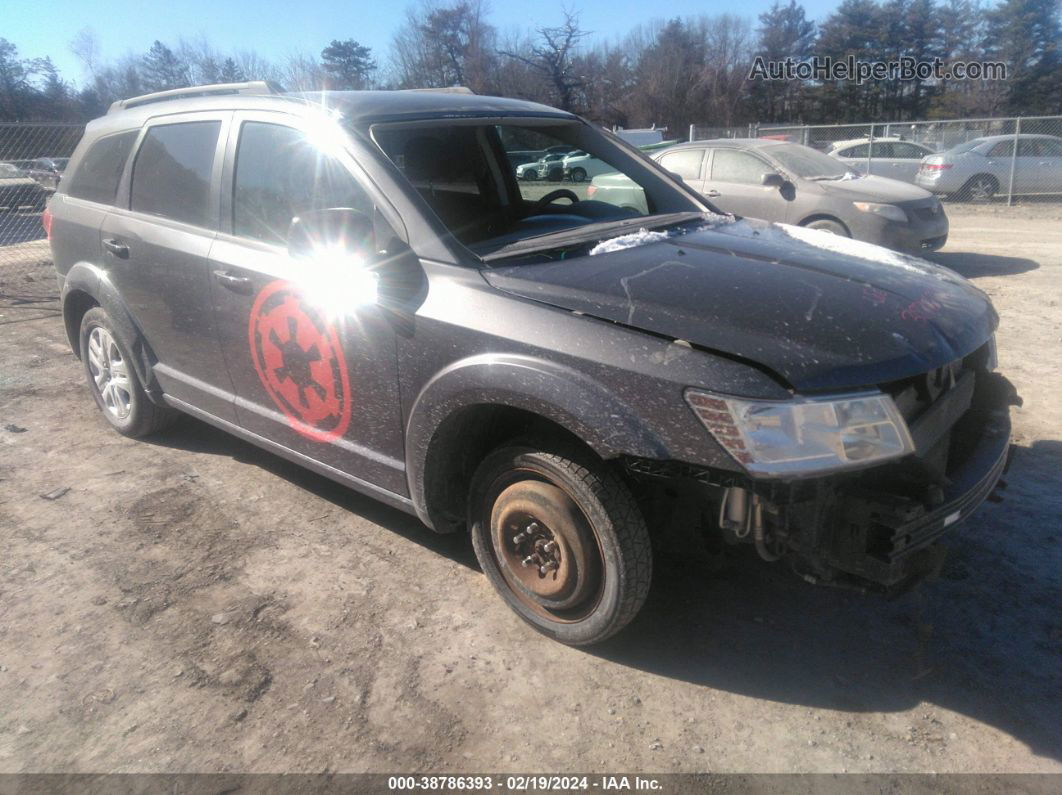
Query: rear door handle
238	284
120	250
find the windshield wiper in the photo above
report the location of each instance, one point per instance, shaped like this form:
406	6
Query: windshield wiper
580	234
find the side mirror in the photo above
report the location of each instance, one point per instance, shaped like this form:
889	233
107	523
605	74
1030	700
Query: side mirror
772	180
337	229
676	176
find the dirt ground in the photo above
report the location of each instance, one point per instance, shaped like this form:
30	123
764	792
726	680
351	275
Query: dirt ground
190	603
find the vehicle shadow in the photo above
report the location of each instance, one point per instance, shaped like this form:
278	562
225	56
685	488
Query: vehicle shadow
20	226
973	266
196	436
982	640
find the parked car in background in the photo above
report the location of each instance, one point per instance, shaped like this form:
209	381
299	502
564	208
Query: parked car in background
888	157
548	167
579	166
794	184
979	169
47	171
19	190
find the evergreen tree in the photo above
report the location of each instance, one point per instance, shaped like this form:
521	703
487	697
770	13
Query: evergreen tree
784	32
230	72
162	70
1026	35
349	65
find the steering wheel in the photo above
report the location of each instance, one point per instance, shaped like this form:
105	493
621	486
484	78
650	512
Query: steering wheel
553	195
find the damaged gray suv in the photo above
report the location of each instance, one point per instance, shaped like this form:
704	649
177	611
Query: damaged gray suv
356	281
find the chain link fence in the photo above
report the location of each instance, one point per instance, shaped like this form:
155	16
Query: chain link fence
962	160
32	159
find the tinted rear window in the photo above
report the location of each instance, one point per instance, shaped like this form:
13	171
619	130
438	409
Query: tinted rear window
171	175
96	179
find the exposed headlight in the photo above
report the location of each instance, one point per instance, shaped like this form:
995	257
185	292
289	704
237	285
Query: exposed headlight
804	436
890	211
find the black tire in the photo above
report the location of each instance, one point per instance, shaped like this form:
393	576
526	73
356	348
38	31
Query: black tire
578	174
603	558
979	188
126	407
529	176
828	225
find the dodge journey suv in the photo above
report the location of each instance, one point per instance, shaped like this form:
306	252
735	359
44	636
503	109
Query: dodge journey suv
356	281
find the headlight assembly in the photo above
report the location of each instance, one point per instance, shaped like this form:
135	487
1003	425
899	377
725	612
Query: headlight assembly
890	211
804	436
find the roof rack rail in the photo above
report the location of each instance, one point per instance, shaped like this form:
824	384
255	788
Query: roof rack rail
446	90
217	89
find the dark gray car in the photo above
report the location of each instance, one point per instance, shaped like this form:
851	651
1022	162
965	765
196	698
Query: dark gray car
356	281
794	184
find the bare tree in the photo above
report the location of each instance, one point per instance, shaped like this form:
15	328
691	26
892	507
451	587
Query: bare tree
554	56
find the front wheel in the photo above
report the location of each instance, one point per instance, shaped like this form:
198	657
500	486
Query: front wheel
826	225
561	538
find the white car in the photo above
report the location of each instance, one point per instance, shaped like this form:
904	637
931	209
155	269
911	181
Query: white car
889	157
548	167
580	166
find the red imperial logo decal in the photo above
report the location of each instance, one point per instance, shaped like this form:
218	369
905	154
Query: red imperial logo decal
300	362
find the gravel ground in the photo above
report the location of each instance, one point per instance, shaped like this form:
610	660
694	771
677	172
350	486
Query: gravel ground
190	603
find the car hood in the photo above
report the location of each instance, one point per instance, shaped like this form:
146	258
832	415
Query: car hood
820	311
874	189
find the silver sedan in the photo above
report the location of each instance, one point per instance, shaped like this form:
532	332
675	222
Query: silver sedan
981	168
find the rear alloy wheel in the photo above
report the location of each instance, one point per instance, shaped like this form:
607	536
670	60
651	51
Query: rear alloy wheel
826	225
113	380
980	188
578	175
562	540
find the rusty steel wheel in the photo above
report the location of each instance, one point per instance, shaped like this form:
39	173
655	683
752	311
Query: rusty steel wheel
562	541
546	549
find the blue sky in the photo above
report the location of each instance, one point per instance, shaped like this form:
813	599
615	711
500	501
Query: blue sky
276	27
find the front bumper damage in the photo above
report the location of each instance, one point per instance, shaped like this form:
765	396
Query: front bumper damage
876	530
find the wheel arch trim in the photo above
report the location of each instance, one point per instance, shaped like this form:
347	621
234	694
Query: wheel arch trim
570	399
90	280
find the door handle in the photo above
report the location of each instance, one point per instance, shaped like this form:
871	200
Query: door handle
238	284
713	194
120	250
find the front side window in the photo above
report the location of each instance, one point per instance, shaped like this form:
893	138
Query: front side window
96	179
171	174
733	165
281	174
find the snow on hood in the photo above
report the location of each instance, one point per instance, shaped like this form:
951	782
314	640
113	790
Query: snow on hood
836	244
644	237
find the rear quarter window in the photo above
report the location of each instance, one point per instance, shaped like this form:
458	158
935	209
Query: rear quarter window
96	179
171	174
686	163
